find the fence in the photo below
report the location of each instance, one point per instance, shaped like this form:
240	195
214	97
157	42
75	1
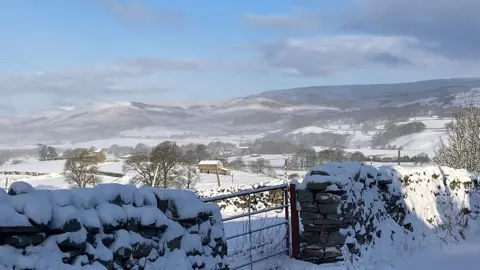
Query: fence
250	231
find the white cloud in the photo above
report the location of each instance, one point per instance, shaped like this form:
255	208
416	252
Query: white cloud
296	20
138	11
325	56
124	78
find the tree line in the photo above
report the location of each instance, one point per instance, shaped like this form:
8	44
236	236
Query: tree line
393	131
164	165
306	158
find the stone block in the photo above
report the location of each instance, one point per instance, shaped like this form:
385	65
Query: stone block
312	228
304	196
318	186
312	253
327	222
336	238
327	198
309	207
310	216
311	237
328	208
332	252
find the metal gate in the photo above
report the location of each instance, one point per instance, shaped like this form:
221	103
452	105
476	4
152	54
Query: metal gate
290	237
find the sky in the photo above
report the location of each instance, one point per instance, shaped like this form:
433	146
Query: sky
65	53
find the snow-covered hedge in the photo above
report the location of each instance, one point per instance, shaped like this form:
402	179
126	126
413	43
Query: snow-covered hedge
110	226
22	173
360	213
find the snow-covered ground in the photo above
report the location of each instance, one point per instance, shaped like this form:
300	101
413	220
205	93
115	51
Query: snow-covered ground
431	205
431	254
53	178
423	142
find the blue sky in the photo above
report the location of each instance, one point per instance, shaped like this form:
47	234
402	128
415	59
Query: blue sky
60	53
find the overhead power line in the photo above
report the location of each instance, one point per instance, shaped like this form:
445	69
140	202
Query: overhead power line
39	69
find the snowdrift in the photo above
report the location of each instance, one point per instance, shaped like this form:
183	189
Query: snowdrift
370	216
110	226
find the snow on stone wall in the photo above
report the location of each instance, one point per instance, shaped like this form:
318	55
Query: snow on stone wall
352	212
110	226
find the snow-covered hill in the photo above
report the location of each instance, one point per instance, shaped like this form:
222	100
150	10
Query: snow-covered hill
287	111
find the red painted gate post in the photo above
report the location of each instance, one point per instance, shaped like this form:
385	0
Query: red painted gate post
295	228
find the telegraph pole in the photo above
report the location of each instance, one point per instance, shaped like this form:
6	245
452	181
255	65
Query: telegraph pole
398	157
218	176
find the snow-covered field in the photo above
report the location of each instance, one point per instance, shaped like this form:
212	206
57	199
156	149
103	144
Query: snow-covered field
423	142
54	179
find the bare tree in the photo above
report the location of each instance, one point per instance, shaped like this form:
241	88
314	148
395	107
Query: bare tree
261	166
141	148
166	155
142	167
185	177
152	169
81	171
202	152
237	164
461	148
46	152
305	158
42	152
331	154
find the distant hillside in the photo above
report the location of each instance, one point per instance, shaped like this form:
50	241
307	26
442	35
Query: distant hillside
281	111
365	96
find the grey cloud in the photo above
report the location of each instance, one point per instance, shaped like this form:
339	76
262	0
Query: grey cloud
325	56
296	20
389	59
138	11
447	27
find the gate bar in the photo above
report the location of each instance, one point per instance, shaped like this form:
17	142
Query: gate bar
254	212
257	230
244	193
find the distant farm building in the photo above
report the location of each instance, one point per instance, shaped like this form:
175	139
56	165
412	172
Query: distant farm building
211	166
98	155
242	149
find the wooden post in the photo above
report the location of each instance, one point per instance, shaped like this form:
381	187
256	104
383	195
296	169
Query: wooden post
287	217
6	184
294	222
218	176
398	157
155	177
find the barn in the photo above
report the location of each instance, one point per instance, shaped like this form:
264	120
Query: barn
210	166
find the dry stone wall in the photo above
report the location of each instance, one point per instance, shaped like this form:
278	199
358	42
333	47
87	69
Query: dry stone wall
347	208
110	226
324	213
